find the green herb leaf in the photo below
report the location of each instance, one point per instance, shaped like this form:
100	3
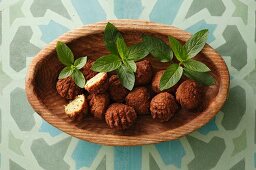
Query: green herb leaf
106	63
65	72
137	52
64	54
131	65
158	48
78	77
121	46
171	76
196	43
126	77
110	35
80	62
195	65
204	78
177	48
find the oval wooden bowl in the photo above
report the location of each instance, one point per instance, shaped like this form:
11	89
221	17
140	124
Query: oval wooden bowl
88	41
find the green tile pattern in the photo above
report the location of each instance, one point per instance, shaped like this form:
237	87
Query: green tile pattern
27	142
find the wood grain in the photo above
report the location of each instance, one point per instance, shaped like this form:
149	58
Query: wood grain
88	40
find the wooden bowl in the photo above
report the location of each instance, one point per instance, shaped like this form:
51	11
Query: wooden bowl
88	41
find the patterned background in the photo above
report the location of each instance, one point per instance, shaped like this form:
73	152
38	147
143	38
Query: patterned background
28	142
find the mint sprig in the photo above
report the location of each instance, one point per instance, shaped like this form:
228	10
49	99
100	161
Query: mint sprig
137	52
171	76
196	43
202	77
126	77
65	55
178	50
65	72
107	63
158	48
195	65
191	68
122	58
80	62
73	67
110	35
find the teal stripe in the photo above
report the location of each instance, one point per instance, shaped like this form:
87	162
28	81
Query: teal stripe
130	9
127	158
89	11
165	11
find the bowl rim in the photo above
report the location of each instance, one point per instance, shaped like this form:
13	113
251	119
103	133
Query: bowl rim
122	140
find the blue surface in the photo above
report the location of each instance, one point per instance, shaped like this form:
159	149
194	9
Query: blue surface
85	153
126	9
168	8
171	152
89	13
127	158
203	25
209	127
46	127
52	31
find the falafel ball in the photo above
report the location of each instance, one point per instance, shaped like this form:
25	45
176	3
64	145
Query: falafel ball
98	104
139	99
116	90
163	106
156	83
86	70
143	73
77	108
97	84
120	116
189	94
67	88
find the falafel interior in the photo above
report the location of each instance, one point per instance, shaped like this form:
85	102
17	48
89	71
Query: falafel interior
97	84
76	106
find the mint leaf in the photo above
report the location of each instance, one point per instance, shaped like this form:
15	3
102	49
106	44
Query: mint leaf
126	76
110	35
158	48
64	54
106	63
131	65
177	48
80	62
171	76
78	77
65	72
137	52
195	65
196	43
204	78
121	46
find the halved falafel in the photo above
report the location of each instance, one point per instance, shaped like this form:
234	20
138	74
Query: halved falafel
77	108
97	84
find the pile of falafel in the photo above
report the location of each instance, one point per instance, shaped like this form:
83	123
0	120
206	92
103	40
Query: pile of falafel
105	98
